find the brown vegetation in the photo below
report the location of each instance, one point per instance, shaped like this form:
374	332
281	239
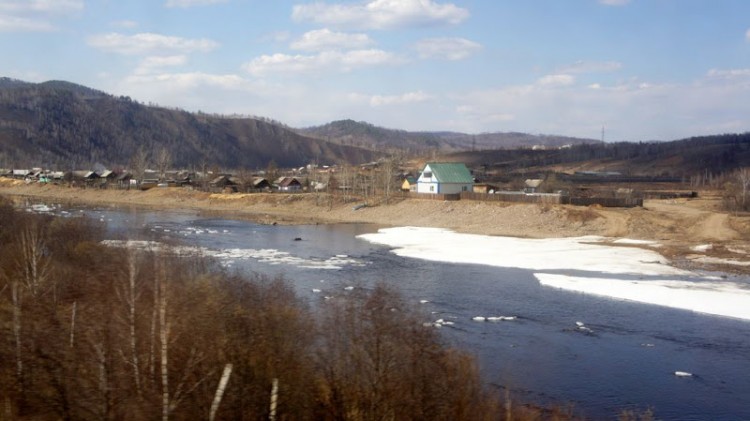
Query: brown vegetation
95	332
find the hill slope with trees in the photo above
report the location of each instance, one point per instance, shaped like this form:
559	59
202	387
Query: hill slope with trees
60	124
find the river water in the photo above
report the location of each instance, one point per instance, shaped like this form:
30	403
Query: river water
625	359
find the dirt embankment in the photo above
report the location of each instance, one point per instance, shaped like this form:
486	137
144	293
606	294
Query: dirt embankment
678	225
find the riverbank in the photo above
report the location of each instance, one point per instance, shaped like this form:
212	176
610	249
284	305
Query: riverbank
693	233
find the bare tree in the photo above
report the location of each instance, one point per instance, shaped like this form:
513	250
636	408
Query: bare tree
163	162
139	163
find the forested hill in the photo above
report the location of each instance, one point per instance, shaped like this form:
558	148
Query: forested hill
357	133
687	157
64	125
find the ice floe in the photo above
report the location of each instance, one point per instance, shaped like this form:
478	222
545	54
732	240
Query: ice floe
589	253
712	297
583	264
229	257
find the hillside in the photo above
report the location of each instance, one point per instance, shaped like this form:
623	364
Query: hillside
60	124
355	133
704	155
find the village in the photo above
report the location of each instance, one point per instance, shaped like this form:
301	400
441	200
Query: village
448	181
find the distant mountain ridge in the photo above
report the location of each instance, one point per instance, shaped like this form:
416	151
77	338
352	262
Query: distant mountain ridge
366	135
62	124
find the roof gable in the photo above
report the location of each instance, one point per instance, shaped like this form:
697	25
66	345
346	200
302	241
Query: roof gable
449	172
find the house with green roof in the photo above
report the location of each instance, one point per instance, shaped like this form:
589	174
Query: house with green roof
445	178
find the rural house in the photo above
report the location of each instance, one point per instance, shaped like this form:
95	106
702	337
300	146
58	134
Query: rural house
289	184
444	178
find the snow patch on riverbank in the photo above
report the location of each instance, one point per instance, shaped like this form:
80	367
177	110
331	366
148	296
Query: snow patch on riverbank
577	253
585	264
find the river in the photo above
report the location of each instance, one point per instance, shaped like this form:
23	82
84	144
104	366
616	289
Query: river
535	344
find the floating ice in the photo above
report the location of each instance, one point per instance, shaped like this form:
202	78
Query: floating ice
712	297
479	318
599	268
501	318
230	256
589	253
683	374
702	248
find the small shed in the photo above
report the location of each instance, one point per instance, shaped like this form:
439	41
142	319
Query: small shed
485	188
532	185
409	184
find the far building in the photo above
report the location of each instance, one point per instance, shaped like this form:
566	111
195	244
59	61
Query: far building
409	184
445	178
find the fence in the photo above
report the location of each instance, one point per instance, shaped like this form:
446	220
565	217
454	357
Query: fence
430	196
607	202
516	197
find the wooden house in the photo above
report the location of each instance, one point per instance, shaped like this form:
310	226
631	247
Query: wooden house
223	181
260	183
445	178
289	184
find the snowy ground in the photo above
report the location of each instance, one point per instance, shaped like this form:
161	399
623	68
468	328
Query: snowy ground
585	264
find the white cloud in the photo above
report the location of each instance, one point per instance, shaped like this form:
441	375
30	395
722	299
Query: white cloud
125	24
747	35
190	80
582	66
556	80
332	61
614	2
728	74
149	43
325	39
191	3
34	15
151	64
41	6
381	14
277	36
446	48
20	24
406	98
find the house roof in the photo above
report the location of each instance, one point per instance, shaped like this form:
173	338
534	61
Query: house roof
533	182
289	181
450	172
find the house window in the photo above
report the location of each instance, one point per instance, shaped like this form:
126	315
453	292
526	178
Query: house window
432	188
427	175
463	188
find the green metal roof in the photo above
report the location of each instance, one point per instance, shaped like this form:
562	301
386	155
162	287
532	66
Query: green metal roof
450	172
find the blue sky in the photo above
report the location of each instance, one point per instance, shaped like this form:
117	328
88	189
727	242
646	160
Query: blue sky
642	69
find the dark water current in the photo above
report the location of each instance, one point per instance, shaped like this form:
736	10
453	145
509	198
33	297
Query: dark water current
628	362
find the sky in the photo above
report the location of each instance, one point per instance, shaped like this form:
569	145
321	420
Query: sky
622	70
